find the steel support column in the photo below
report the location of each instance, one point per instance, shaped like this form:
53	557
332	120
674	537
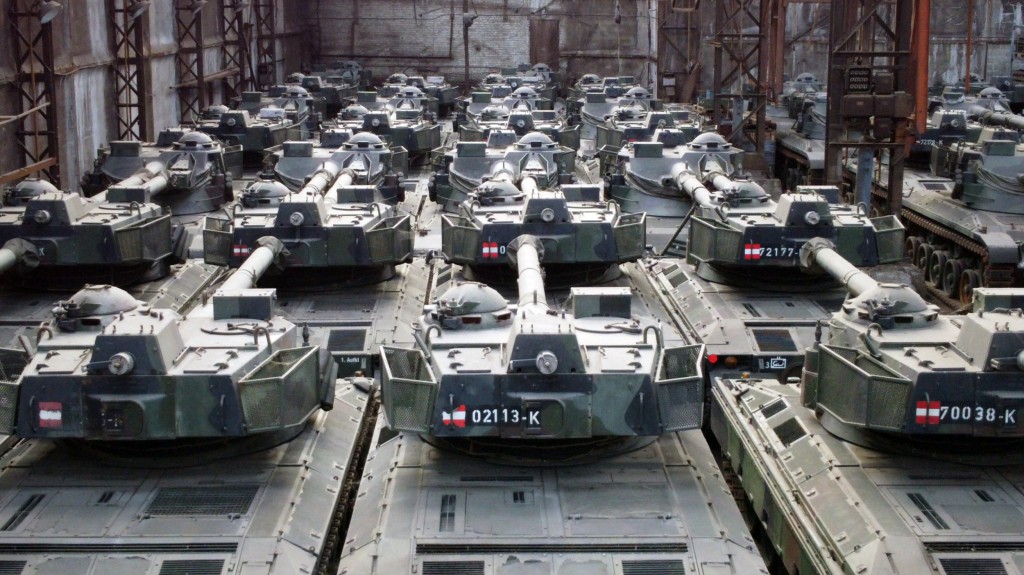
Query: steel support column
266	43
741	57
129	71
191	87
36	88
233	23
776	25
873	35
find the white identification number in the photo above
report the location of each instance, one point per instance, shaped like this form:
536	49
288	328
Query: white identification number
496	415
977	414
778	252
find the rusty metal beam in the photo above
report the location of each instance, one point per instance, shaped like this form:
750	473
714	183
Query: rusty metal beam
190	61
28	170
35	82
208	79
266	43
872	34
919	62
127	36
741	51
234	22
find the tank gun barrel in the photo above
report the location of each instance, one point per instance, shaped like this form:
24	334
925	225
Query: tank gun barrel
322	179
503	171
986	116
17	250
526	252
821	252
153	177
255	265
691	185
529	185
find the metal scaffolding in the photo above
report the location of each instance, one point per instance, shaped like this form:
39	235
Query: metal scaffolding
868	37
741	56
128	36
192	82
266	43
234	23
36	89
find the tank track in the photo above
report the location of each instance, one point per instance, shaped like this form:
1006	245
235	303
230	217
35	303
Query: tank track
331	553
920	250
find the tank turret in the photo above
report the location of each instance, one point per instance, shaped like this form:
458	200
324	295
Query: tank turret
407	127
406	97
255	131
638	124
484	367
466	166
384	166
59	239
893	364
738	234
189	178
335	92
337	222
121	159
643	175
109	368
582	235
594	108
800	150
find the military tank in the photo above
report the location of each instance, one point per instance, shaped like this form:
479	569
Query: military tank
642	176
964	232
189	178
184	439
121	159
540	77
584	238
468	164
381	166
594	83
794	93
439	88
301	108
523	99
335	229
596	107
335	91
635	124
737	284
352	72
255	134
548	122
800	149
415	131
893	454
57	240
610	507
408	92
129	367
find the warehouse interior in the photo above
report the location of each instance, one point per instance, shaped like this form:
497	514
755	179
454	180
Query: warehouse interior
146	66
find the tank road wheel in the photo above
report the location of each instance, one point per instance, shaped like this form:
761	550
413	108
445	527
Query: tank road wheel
921	257
936	265
969	280
951	274
910	248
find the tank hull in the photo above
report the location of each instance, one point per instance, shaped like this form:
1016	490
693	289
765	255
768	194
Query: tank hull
828	506
424	509
269	511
